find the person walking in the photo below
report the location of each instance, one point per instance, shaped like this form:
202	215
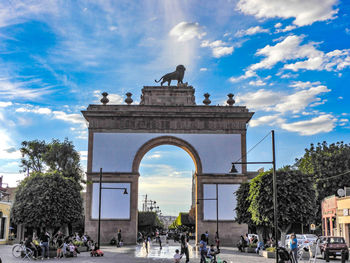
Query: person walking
184	247
119	237
217	241
207	236
45	237
203	248
294	247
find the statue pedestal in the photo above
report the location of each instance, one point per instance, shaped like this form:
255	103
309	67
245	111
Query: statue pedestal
168	96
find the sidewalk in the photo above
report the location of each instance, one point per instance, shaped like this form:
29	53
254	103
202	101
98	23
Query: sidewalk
128	254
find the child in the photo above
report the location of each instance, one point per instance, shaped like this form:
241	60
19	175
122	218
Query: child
177	256
212	253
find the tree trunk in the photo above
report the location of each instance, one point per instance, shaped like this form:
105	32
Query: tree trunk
284	230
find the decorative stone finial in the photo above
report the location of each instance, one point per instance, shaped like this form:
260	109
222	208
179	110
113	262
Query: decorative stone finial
206	101
104	99
230	100
128	99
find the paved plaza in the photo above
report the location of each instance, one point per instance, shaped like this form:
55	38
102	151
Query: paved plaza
128	254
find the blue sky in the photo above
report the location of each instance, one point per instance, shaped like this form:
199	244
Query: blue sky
287	60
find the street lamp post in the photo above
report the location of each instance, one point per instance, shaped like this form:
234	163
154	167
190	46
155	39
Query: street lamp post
99	204
275	211
217	208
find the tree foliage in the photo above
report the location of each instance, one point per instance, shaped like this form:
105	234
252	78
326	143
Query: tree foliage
295	198
47	200
243	216
39	156
324	162
33	155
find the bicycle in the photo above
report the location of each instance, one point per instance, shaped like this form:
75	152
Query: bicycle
20	250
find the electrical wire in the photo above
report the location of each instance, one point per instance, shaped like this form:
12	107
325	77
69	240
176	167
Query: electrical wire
252	148
323	179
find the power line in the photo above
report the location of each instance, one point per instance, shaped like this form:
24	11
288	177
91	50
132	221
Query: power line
323	179
252	148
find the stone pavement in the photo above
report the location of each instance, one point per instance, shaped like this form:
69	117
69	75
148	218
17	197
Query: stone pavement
129	254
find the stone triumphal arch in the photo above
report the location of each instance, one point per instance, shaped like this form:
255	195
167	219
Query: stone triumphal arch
120	135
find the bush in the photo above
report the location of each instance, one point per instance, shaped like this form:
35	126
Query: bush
78	243
271	249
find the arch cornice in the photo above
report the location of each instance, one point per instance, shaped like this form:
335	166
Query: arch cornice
163	140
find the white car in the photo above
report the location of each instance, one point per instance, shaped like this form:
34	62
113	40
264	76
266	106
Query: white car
310	238
253	235
300	238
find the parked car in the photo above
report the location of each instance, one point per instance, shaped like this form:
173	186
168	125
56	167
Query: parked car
333	246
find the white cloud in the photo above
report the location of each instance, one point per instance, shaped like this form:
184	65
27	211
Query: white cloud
340	98
289	48
258	82
185	31
278	25
266	120
72	118
332	61
7	147
260	100
288	76
203	69
288	28
13	179
4	104
308	56
323	123
304	84
36	109
267	100
304	12
14	89
222	51
218	47
344	120
251	31
248	74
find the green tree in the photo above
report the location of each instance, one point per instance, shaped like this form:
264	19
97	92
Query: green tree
32	156
243	216
295	199
39	156
324	162
62	157
47	200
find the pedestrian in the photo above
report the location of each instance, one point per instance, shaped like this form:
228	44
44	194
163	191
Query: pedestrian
45	237
217	241
160	242
184	247
294	247
207	236
119	237
59	245
203	248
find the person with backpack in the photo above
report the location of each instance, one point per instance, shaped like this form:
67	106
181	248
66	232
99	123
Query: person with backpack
203	248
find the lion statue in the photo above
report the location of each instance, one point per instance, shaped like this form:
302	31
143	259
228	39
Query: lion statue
178	75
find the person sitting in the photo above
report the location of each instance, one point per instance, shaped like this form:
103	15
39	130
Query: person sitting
29	244
241	244
177	256
211	254
259	247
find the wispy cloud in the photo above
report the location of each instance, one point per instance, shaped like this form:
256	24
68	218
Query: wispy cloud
251	31
304	12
